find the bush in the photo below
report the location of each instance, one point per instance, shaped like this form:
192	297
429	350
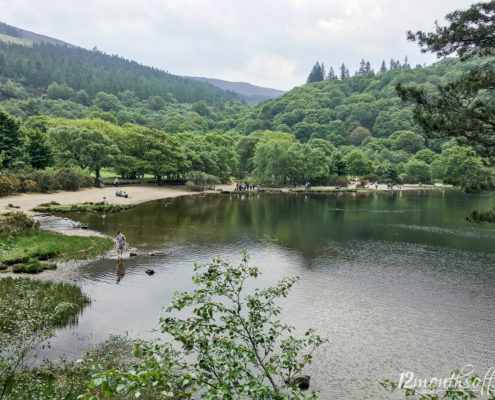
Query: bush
68	179
8	185
371	178
45	180
86	181
337	180
28	185
18	224
199	181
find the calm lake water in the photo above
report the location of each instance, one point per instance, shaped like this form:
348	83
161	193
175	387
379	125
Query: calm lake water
395	282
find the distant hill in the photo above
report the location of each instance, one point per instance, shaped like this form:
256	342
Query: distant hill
36	61
251	93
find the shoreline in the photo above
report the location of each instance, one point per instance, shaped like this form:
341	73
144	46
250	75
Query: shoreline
143	193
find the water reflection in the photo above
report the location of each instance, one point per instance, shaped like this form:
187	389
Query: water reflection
120	270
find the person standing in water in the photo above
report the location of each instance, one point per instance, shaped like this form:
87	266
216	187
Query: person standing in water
120	241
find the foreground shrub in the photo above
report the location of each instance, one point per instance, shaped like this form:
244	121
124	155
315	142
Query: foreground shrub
232	344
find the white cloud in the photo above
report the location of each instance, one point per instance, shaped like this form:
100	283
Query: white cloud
271	43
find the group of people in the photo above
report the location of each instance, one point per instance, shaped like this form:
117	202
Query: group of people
247	186
119	193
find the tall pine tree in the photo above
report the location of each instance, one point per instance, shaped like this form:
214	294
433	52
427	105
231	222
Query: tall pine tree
317	74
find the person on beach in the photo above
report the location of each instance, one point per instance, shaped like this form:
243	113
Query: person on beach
120	242
116	182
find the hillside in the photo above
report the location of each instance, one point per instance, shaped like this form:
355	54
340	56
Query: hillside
28	36
332	109
251	93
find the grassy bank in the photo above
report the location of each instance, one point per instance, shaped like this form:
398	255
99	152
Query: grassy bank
44	297
22	251
54	207
26	248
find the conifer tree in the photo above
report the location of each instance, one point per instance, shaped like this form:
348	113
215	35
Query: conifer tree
317	74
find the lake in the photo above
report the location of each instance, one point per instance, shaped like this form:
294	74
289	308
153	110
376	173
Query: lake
396	281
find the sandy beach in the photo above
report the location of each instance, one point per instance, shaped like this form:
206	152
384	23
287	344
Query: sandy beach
137	194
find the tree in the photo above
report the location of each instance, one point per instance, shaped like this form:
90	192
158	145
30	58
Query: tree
426	155
344	72
82	97
457	165
331	76
245	148
383	67
337	164
358	135
465	108
106	101
418	170
317	74
362	67
11	141
357	163
83	147
156	102
39	149
232	346
408	141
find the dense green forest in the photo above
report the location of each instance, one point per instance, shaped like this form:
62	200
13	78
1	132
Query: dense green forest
38	65
69	107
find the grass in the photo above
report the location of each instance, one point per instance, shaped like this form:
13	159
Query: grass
15	40
45	245
32	266
54	207
46	296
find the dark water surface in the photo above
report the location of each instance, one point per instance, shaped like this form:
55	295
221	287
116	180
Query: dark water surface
396	283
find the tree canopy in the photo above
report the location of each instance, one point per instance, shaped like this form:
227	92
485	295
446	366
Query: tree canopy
464	108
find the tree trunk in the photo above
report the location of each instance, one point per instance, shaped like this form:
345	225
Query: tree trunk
97	180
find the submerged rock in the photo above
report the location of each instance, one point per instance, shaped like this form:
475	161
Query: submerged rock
150	271
132	254
301	381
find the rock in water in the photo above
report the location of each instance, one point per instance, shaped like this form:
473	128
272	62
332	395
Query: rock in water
301	381
132	254
150	271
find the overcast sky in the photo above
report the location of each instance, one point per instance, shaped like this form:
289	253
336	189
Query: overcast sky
272	43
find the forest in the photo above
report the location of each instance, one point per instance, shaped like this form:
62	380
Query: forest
65	107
